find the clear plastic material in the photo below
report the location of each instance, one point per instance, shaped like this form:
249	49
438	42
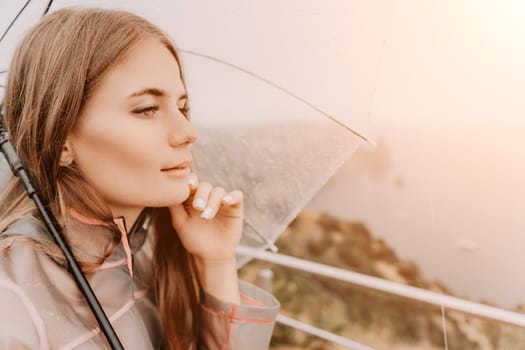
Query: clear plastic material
275	149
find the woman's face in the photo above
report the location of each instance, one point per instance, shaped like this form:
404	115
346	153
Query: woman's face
132	141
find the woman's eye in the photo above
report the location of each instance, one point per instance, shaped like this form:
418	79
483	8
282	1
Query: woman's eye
147	111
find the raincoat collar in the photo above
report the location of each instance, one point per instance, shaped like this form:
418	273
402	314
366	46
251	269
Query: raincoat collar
90	239
136	235
130	241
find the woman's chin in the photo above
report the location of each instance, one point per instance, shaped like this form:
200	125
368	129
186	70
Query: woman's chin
176	199
161	195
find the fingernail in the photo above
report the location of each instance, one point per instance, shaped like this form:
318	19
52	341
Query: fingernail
207	213
191	181
199	203
228	199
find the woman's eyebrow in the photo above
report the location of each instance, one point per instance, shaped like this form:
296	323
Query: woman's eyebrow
148	91
155	92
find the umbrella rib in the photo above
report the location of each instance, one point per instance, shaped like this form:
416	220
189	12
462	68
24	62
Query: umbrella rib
14	20
289	93
269	244
48	7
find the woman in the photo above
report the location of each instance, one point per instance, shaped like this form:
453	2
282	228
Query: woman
96	108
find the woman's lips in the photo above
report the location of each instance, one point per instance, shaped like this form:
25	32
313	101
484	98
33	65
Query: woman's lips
178	170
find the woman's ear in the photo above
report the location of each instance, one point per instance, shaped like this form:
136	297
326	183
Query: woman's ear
66	157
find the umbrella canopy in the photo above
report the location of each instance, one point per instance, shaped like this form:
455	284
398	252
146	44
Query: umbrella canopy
280	92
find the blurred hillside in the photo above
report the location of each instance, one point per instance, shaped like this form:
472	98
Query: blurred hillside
372	318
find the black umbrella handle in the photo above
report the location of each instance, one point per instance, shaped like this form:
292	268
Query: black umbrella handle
55	230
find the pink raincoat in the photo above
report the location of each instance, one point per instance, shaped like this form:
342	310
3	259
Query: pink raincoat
42	308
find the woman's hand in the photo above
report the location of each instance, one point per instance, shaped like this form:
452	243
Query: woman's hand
209	222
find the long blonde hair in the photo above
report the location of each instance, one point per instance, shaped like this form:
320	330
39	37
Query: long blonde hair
55	69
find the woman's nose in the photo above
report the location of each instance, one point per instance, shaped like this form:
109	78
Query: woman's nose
182	132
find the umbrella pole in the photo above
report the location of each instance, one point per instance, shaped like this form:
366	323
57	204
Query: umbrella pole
55	230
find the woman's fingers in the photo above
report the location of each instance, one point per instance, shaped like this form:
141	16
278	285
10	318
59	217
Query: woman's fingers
193	181
208	199
193	185
233	198
201	195
214	203
179	213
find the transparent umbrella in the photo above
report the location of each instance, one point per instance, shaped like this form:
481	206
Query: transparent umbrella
277	90
279	159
